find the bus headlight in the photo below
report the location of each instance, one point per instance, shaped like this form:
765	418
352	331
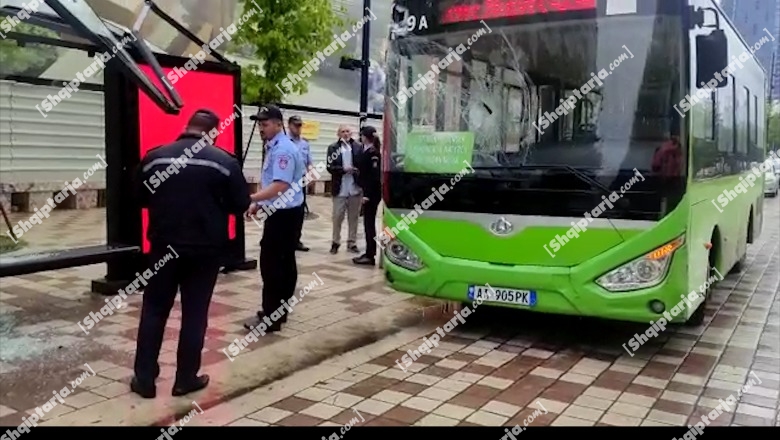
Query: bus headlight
400	254
646	271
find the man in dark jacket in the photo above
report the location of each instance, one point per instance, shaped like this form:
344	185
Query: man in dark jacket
194	188
341	160
370	180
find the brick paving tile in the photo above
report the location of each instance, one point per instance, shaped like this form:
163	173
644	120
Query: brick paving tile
370	386
346	416
564	391
299	420
438	371
408	387
381	421
293	404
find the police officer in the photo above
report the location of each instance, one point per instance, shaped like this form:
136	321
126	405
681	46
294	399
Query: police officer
282	172
369	178
295	124
188	216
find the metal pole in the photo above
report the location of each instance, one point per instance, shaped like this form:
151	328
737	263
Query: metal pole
246	152
772	73
365	59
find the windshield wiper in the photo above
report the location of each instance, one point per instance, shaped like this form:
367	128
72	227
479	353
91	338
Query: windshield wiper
582	176
579	174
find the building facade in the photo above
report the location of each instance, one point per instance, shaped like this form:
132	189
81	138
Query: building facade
753	19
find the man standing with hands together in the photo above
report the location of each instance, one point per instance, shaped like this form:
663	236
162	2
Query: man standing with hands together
282	168
342	156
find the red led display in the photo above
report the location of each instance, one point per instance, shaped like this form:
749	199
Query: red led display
491	9
198	89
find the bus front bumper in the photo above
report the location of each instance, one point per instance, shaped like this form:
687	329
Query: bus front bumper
450	278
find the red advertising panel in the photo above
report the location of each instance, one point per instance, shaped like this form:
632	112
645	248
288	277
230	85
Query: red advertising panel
198	90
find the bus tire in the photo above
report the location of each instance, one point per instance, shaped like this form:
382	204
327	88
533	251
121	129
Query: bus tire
739	266
697	318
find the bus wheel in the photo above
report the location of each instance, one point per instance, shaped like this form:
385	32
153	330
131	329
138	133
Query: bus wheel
697	318
739	266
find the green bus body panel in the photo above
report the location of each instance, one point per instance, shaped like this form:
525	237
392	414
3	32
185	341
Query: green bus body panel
463	239
457	254
731	224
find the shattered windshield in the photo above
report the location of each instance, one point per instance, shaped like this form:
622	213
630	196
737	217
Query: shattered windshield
591	94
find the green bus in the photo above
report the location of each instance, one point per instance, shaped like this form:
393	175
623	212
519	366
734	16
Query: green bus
601	138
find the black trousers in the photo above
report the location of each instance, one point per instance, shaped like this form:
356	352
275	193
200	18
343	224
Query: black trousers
305	210
277	257
196	276
369	225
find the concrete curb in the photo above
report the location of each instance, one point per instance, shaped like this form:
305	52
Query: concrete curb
254	369
225	413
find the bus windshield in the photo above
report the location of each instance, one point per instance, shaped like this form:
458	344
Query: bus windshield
594	94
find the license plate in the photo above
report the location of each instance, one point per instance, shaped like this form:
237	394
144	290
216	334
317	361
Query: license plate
502	295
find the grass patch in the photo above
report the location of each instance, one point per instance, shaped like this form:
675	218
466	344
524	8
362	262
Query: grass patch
8	245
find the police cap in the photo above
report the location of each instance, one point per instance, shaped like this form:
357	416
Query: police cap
268	112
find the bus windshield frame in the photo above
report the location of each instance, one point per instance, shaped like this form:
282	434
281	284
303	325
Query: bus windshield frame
509	81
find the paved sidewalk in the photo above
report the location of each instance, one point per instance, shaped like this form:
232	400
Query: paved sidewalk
42	348
493	370
502	365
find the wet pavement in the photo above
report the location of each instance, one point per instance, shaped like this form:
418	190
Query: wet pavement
337	358
42	348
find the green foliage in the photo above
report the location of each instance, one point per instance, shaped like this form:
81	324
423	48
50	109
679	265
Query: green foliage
773	130
28	60
284	36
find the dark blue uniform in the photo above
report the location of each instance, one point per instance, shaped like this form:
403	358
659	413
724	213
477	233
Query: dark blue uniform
190	187
370	180
281	230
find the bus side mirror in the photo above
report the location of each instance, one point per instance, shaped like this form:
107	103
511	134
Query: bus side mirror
712	56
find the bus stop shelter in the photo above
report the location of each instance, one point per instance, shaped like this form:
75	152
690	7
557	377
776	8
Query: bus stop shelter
142	110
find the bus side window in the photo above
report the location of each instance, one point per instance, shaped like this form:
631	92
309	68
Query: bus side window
713	119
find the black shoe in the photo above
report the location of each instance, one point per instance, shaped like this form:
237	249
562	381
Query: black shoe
147	391
253	322
198	384
364	260
302	248
353	249
256	320
334	248
282	320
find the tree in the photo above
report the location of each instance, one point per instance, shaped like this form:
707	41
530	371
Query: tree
29	60
285	36
773	130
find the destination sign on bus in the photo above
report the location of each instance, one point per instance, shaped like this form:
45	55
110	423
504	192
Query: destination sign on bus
492	9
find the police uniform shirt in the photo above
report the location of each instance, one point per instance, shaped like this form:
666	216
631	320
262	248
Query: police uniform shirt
305	149
283	163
